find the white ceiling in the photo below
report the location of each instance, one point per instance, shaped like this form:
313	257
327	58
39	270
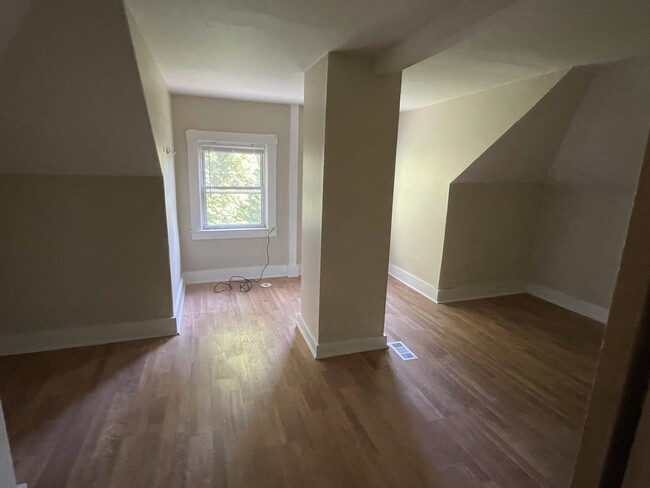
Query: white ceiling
258	50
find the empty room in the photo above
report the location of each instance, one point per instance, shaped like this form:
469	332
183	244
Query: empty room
359	243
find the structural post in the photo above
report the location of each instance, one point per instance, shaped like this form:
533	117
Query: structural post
350	138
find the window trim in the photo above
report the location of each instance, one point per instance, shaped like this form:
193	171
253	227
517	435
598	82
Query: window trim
195	138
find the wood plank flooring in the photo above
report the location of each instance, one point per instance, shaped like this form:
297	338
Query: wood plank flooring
496	399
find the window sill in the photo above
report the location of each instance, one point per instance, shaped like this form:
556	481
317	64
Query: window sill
200	235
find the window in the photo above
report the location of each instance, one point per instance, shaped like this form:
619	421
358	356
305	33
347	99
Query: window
232	188
232	184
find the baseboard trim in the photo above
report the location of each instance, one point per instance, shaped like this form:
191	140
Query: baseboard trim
447	295
582	307
306	334
422	287
322	351
87	336
294	270
351	347
474	292
180	302
483	290
224	274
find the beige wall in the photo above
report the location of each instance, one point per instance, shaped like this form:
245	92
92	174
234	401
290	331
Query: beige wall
526	151
312	192
214	114
436	144
301	129
590	187
618	385
156	95
360	145
488	233
69	85
579	240
548	202
160	117
80	251
82	205
351	117
493	204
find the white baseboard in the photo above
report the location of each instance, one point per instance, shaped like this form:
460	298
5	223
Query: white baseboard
306	334
224	274
351	347
473	292
322	351
483	290
595	312
446	295
422	287
49	340
487	290
294	270
180	302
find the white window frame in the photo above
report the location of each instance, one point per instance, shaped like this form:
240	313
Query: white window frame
196	138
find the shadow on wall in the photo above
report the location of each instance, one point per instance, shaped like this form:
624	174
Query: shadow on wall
86	230
589	190
493	204
544	209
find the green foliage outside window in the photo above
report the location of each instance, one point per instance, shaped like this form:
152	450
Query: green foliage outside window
233	181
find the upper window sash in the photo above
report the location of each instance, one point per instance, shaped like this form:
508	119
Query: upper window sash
261	150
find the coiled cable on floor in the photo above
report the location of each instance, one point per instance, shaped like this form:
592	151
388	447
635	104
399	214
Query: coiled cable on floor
245	284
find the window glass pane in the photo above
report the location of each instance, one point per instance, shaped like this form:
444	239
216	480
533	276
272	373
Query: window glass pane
232	167
233	208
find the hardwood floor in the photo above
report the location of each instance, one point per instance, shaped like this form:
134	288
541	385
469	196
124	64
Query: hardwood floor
496	398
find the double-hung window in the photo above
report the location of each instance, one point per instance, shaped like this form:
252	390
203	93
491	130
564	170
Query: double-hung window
232	184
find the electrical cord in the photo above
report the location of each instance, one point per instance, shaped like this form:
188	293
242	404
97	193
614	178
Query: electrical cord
245	284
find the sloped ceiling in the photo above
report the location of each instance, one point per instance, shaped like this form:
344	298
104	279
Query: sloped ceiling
71	100
573	135
605	143
529	38
258	50
526	151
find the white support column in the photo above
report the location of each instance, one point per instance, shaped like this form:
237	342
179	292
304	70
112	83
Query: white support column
293	269
350	138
